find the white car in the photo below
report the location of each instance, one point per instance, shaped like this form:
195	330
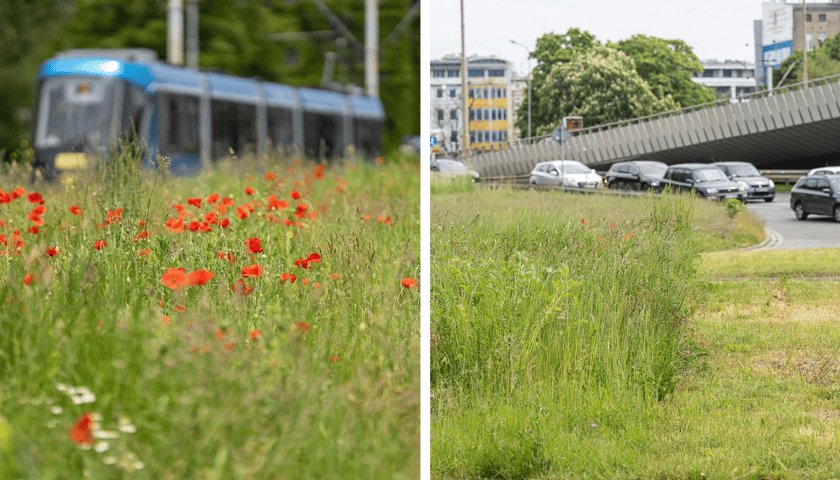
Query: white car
566	173
825	171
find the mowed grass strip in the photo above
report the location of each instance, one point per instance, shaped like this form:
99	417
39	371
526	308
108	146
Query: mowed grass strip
251	322
824	262
757	362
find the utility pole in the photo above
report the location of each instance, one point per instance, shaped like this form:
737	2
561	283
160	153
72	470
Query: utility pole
372	47
464	90
175	32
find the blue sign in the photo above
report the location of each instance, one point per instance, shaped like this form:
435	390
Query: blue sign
776	53
432	141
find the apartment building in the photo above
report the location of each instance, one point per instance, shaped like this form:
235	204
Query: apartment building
731	78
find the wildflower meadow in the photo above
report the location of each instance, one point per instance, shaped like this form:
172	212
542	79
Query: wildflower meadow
260	320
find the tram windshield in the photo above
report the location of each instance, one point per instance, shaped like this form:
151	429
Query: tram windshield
77	113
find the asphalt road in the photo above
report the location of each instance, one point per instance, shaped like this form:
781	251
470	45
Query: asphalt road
785	232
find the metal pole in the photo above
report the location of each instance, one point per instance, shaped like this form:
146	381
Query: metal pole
175	32
805	50
372	47
192	34
464	91
529	84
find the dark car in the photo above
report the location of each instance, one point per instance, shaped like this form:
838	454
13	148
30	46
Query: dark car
758	186
635	175
707	180
816	195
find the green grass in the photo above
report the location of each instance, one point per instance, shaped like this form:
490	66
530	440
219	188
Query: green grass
566	350
318	376
771	263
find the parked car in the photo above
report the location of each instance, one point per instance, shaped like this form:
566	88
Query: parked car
565	173
452	169
816	195
707	180
758	186
635	175
825	171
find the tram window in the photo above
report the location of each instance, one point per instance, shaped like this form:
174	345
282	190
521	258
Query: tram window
367	137
234	127
132	113
280	127
322	135
178	124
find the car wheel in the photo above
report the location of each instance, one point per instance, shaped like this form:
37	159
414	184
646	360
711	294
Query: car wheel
611	184
837	213
799	210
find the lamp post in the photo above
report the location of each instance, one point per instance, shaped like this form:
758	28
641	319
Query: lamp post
529	84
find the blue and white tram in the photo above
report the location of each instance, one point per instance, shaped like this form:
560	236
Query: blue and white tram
89	99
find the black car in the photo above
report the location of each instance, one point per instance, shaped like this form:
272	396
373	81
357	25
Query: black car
707	180
758	186
816	195
635	175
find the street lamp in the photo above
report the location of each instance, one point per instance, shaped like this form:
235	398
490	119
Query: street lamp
529	84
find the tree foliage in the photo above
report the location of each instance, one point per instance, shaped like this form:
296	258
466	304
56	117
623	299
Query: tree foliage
601	85
667	66
235	37
638	76
822	62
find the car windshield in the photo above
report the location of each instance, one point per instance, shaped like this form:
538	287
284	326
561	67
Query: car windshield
572	168
743	170
835	183
76	111
653	168
709	175
451	166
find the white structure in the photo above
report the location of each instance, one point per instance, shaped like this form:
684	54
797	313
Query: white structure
730	78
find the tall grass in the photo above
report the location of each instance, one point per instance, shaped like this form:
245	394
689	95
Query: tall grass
550	325
239	377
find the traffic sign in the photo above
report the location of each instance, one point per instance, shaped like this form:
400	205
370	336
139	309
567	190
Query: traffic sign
432	141
573	123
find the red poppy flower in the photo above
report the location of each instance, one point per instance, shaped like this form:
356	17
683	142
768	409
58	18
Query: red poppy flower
166	320
143	253
175	225
249	191
252	271
229	257
180	308
242	213
80	433
199	277
100	244
253	245
301	210
224	223
75	210
175	278
229	346
386	221
51	252
28	279
212	198
255	334
211	218
319	171
275	203
301	327
242	288
295	195
287	277
409	282
366	217
142	235
18	192
35	198
33	230
304	262
334	359
194	226
196	202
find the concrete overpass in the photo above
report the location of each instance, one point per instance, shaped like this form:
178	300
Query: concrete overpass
786	128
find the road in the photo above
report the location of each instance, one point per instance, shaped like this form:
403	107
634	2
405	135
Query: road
785	232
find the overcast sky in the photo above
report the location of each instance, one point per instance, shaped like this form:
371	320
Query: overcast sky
714	29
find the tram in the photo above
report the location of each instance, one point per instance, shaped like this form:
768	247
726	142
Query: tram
88	100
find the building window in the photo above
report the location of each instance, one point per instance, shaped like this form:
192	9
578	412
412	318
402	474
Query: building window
495	73
727	73
451	92
472	95
821	38
452	73
809	41
453	114
476	72
708	73
438	73
440	114
440	93
821	17
454	138
807	17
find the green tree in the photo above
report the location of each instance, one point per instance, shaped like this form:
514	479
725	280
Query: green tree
601	85
667	66
822	62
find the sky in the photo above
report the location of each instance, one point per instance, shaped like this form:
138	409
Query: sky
714	29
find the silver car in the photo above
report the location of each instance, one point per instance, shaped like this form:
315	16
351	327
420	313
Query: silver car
565	173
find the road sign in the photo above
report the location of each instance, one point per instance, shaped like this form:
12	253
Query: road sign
573	123
560	134
432	141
